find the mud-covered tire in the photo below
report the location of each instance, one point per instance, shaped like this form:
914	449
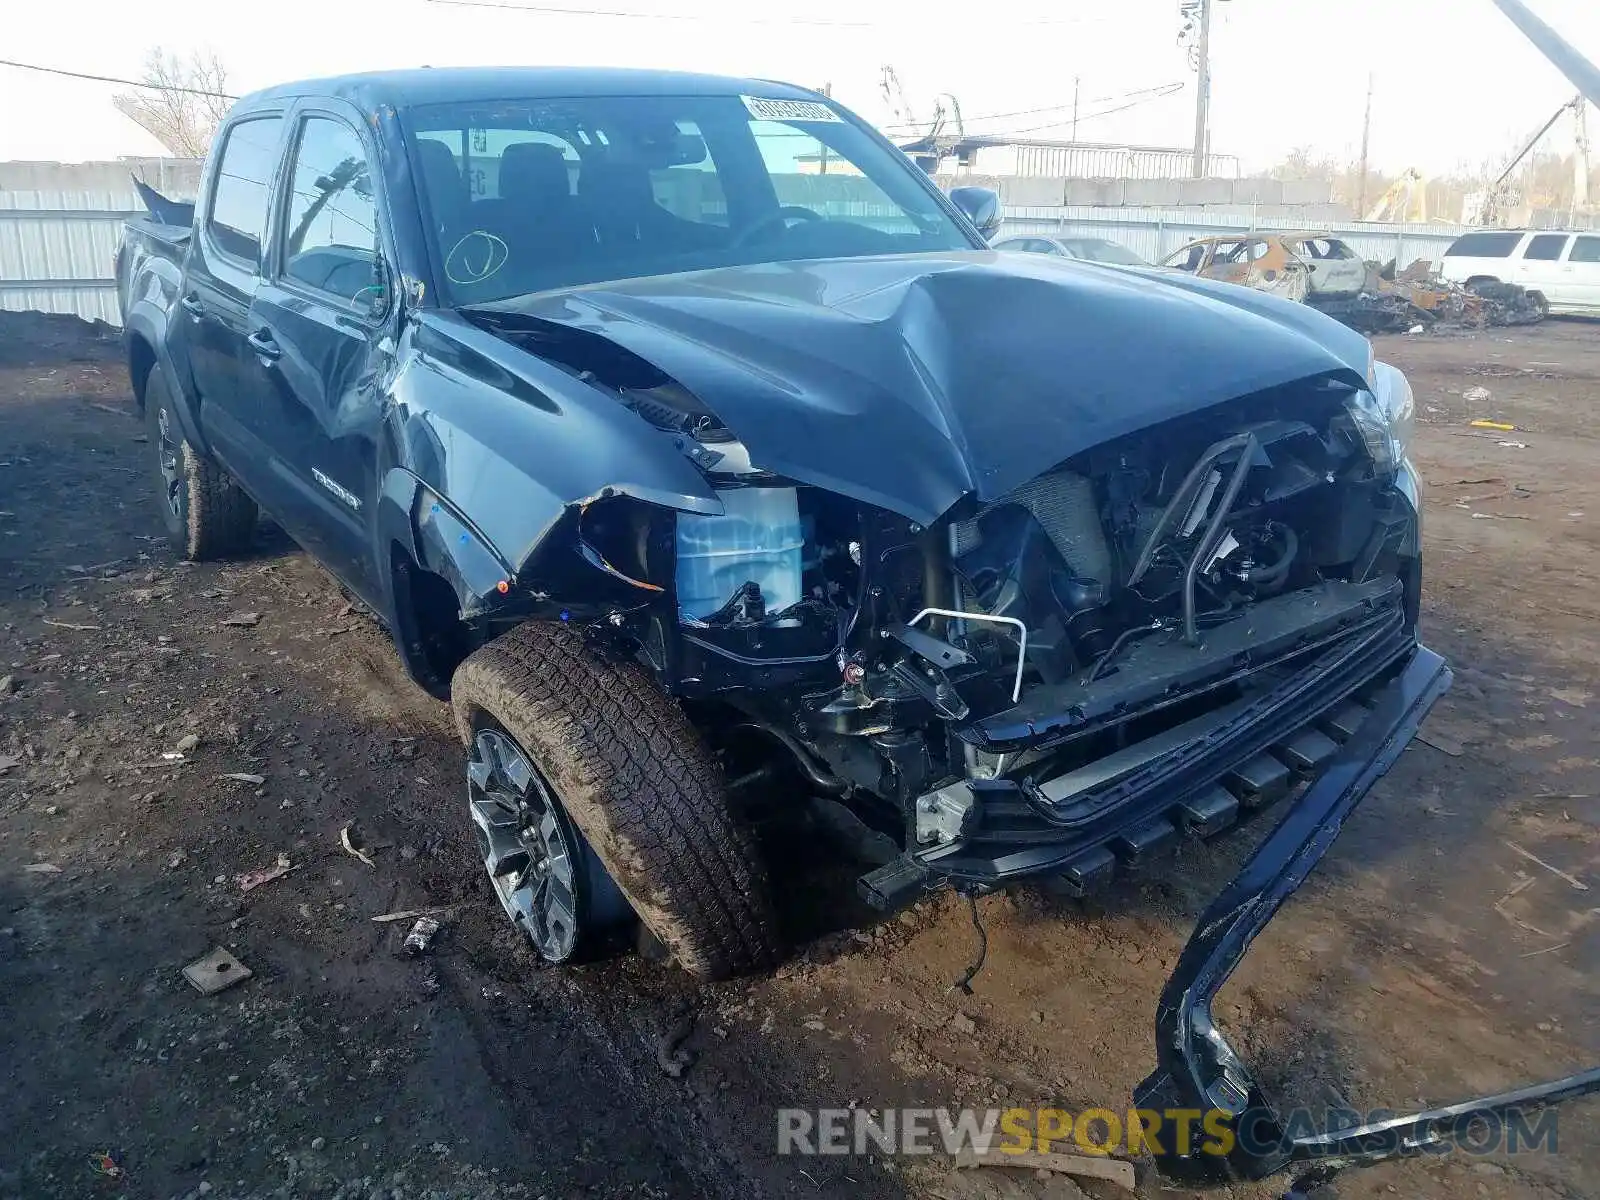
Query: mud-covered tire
206	514
640	785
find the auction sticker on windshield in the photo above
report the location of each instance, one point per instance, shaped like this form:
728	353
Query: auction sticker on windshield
764	109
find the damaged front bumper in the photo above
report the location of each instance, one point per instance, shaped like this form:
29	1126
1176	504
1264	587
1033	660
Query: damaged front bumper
1198	1069
1194	777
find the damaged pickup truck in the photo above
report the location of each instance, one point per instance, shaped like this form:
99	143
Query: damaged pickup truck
693	445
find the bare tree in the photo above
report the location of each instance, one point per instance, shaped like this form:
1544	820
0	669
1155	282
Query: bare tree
182	103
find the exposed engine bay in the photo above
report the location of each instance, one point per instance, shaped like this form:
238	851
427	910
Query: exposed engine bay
1132	588
1156	634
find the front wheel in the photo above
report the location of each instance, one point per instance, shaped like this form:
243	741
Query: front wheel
586	784
206	513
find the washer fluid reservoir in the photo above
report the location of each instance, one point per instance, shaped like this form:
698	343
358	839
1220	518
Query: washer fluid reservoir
758	538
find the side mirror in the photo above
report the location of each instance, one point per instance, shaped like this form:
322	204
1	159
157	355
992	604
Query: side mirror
376	295
979	205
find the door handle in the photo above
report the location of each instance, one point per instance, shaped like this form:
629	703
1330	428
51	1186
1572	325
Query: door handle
192	306
261	341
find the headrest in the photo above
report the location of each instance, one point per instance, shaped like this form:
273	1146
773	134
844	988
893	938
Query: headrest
534	173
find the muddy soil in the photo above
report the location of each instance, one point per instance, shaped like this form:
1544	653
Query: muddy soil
1447	946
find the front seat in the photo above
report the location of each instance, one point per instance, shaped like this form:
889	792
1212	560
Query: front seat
441	183
534	213
619	201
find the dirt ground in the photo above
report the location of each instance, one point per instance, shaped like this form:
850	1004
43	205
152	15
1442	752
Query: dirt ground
1447	946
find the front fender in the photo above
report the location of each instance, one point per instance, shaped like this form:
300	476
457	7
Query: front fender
436	537
499	451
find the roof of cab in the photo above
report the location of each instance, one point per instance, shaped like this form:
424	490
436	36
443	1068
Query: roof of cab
442	85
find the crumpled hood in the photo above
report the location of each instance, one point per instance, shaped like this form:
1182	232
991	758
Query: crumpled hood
908	381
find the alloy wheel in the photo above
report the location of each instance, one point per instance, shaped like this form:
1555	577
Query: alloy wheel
527	844
169	452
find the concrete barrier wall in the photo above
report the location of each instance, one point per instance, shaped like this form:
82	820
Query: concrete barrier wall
1154	233
1156	193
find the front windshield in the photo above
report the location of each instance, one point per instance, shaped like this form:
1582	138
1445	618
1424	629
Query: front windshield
524	196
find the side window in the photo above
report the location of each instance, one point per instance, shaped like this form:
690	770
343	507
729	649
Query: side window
1585	250
1483	245
1323	249
1188	258
1547	247
330	230
238	213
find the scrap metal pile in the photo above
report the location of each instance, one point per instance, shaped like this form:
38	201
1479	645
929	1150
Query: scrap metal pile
1418	296
1326	272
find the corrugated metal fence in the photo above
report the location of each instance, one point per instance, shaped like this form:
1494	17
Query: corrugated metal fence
1117	162
60	224
1154	233
60	227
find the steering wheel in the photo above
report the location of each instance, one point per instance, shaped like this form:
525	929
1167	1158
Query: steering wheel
784	212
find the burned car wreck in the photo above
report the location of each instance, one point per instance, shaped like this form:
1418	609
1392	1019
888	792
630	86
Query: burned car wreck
687	471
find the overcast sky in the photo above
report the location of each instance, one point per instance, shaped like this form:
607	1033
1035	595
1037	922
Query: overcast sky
1455	82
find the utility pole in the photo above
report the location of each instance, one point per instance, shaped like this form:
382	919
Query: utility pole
1366	137
1077	81
1580	170
822	146
1202	104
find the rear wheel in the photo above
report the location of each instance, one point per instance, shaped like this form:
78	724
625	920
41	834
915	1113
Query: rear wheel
205	513
570	755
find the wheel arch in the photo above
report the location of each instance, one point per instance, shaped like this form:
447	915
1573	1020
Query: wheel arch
141	361
433	551
144	335
435	583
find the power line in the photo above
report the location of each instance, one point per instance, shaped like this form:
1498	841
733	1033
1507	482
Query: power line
1155	93
1170	89
134	83
550	9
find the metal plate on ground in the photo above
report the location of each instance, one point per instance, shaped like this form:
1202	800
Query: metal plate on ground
216	971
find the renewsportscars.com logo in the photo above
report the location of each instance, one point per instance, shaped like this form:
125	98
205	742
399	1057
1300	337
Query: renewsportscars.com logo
1131	1132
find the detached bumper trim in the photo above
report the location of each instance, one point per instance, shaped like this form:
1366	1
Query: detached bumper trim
1198	1069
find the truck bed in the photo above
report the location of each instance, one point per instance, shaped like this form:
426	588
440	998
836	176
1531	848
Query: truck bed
149	246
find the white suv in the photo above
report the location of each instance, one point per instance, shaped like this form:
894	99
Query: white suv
1561	268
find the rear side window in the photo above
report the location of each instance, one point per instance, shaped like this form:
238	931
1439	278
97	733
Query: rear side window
1546	247
330	234
1325	249
239	194
1585	249
1483	245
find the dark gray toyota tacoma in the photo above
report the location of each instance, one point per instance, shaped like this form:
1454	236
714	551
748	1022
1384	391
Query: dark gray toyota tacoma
696	447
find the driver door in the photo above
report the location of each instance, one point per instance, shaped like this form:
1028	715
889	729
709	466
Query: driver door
323	313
